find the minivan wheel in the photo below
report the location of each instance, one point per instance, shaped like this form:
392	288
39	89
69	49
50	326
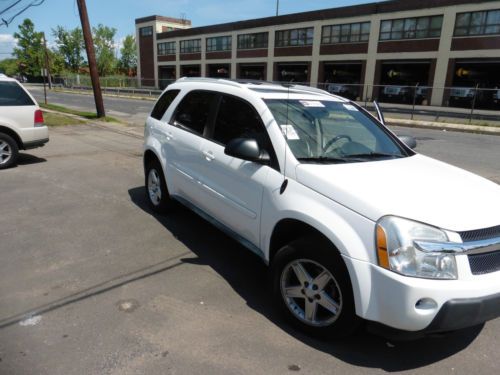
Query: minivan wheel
156	188
312	288
9	151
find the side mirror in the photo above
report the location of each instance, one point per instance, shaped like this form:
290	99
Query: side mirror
247	149
408	140
380	114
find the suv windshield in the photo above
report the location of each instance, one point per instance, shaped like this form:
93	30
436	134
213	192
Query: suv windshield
331	132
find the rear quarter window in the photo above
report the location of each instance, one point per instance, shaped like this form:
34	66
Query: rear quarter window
12	94
163	103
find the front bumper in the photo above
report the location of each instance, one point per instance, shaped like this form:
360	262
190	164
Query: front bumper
454	315
394	301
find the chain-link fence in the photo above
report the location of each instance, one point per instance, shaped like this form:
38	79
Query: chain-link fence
472	103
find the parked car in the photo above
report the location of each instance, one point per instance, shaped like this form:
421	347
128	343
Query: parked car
344	90
496	97
21	122
399	94
353	223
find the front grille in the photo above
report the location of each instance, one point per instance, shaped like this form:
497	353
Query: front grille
481	264
480	234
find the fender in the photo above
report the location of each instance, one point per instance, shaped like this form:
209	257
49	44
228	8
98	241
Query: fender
351	233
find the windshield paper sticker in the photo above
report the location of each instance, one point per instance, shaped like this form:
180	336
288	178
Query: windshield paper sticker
312	103
289	132
350	107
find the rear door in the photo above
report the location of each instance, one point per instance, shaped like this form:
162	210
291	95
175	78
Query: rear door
184	136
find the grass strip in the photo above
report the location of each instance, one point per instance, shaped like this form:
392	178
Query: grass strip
87	115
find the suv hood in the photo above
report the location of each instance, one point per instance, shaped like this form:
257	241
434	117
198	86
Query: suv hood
415	187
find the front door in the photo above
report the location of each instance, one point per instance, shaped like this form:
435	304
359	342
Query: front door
235	187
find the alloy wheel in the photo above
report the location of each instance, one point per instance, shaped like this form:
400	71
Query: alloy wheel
154	186
311	293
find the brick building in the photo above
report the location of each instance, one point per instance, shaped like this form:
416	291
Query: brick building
430	43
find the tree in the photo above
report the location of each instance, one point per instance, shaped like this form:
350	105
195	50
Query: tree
70	46
128	59
104	49
9	67
29	51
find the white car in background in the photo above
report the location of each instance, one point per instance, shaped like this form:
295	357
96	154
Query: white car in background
21	122
353	223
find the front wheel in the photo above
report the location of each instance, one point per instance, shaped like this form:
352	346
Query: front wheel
156	188
9	151
312	289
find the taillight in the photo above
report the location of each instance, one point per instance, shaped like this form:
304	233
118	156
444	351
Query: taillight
38	118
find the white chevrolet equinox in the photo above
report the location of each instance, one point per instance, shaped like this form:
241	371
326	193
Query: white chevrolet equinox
354	224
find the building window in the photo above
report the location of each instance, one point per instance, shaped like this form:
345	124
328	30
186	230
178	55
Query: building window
348	33
411	28
167	48
478	23
191	46
220	43
295	37
251	41
146	31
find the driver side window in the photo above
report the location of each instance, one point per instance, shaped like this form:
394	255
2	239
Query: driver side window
238	119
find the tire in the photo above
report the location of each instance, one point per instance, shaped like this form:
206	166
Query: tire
320	306
9	152
156	188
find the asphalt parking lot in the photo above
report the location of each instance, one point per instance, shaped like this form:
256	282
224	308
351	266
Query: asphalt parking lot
91	282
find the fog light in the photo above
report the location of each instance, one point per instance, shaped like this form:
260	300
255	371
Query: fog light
426	304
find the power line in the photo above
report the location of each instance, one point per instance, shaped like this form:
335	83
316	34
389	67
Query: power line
7	22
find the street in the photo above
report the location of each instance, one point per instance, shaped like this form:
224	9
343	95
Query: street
94	283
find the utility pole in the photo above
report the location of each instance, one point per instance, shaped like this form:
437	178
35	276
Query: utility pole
89	46
277	7
47	62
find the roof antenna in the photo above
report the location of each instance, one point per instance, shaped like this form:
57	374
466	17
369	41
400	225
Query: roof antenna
285	180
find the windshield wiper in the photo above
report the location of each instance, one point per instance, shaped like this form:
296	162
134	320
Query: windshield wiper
325	159
373	155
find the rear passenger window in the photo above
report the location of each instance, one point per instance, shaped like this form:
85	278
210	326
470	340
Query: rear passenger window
12	94
193	110
163	103
238	119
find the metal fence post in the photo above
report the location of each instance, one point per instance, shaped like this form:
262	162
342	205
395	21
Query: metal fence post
414	100
366	96
473	103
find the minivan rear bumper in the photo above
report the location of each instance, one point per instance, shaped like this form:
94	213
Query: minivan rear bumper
35	144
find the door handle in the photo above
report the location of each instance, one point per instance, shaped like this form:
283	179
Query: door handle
169	136
208	155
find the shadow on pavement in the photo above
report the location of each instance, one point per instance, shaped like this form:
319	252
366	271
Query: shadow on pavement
27	159
247	275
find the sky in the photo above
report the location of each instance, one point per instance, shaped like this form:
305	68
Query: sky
121	14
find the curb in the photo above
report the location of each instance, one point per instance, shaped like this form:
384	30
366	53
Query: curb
476	129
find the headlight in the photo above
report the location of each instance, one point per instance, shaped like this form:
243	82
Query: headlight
397	251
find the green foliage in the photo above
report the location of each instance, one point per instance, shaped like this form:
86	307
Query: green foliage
105	49
29	52
128	60
70	46
9	67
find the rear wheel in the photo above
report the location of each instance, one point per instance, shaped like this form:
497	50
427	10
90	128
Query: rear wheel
312	288
9	151
156	188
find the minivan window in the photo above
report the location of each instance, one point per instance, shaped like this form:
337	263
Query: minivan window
192	112
163	103
12	94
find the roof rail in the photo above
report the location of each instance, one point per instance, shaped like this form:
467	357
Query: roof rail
209	80
311	89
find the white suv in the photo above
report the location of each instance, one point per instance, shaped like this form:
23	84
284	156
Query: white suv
353	223
21	122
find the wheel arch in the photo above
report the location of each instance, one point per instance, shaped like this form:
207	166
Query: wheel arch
148	157
11	133
288	230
